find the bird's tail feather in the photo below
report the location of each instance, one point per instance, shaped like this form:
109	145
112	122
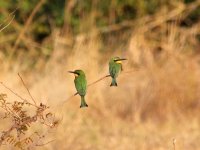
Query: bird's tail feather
83	102
114	82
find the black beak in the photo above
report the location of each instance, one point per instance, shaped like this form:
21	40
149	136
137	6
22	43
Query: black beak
71	72
121	59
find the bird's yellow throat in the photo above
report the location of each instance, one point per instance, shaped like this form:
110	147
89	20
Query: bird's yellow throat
119	61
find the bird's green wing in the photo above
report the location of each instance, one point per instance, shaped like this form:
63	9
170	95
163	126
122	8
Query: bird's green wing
81	85
114	69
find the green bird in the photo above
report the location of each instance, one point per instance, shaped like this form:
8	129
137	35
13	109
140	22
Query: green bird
81	85
115	67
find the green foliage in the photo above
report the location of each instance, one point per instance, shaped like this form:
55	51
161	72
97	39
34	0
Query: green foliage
54	12
189	1
81	17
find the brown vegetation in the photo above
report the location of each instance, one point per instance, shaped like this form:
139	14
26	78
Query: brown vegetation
156	104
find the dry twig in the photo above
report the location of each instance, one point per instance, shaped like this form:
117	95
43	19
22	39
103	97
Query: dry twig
7	24
22	121
174	144
16	94
27	89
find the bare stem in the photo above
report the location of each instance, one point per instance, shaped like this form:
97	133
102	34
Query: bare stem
174	144
27	89
7	24
23	99
45	143
98	80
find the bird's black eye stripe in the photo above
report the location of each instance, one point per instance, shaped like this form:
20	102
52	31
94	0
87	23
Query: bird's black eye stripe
77	73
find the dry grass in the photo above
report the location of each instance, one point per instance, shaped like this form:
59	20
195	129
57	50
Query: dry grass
157	99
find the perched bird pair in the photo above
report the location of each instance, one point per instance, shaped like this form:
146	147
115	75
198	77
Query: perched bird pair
115	67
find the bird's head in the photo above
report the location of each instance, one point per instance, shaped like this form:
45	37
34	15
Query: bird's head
117	60
77	73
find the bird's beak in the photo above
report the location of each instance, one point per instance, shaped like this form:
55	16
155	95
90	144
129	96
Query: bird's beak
75	74
71	72
121	59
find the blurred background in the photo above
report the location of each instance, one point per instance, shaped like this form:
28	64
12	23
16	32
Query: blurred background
157	98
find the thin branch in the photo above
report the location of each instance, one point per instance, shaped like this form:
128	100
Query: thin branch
15	114
98	80
15	126
45	143
23	99
8	109
27	89
174	144
28	22
69	98
7	24
13	92
87	86
11	14
6	134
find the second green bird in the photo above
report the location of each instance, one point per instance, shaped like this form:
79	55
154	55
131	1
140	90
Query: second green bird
115	67
81	85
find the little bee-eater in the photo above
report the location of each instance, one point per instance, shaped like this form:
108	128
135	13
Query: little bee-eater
81	85
115	67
